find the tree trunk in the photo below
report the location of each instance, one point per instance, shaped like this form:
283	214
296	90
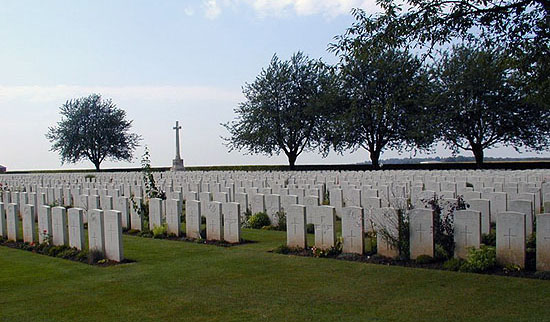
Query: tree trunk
374	158
478	154
292	160
96	164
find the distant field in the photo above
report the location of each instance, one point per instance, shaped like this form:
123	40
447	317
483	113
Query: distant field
186	281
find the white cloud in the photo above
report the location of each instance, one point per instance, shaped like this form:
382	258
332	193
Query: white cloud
60	93
329	8
212	9
266	8
189	11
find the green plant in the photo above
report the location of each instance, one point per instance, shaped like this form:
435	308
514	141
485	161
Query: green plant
480	259
453	264
95	256
160	231
489	239
310	229
259	220
444	221
440	254
283	249
330	252
424	259
247	214
151	189
543	275
281	220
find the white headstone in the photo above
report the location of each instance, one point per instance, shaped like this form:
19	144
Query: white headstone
296	226
483	206
173	216
113	235
59	226
543	242
511	238
3	225
231	222
76	228
12	221
29	227
421	232
193	219
44	223
467	231
96	232
324	220
155	213
353	230
214	229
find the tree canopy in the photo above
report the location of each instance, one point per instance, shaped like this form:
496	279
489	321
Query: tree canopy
481	106
284	108
92	128
385	96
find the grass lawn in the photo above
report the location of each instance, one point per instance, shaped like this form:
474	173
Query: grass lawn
187	281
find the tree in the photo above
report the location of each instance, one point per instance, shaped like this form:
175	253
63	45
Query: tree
385	95
521	27
283	110
92	128
480	105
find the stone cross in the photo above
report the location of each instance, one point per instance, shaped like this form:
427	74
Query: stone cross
177	128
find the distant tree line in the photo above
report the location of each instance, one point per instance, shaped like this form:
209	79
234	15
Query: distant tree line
400	84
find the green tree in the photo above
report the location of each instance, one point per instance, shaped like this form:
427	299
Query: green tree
92	128
385	97
521	27
283	110
481	106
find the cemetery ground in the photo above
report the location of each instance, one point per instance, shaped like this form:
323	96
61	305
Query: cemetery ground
187	281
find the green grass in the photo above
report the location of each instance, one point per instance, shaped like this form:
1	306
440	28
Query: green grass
193	282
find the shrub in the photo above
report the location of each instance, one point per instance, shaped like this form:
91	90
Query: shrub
480	259
453	264
283	249
489	239
281	220
424	259
440	254
259	220
95	256
310	229
160	231
543	275
333	251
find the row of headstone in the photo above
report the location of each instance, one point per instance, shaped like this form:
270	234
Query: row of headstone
65	227
510	244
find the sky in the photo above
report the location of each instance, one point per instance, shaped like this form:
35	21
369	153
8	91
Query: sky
160	61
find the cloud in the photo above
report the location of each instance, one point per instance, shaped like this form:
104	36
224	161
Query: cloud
189	11
212	9
267	8
61	93
329	8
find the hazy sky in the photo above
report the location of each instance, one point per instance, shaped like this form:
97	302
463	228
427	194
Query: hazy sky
161	61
